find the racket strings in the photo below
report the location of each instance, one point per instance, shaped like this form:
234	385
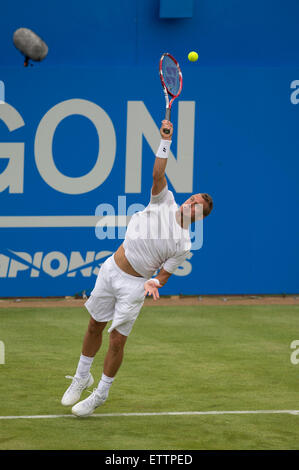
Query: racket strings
171	75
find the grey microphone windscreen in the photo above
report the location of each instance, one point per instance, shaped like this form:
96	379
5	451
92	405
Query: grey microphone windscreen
30	44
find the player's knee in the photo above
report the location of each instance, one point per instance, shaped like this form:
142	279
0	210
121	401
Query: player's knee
117	341
95	328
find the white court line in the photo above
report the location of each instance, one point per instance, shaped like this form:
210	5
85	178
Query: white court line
166	413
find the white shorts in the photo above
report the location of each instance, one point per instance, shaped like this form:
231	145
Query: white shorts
116	296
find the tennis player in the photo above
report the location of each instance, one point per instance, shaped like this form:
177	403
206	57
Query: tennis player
157	239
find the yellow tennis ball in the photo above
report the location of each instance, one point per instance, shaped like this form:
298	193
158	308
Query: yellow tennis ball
193	56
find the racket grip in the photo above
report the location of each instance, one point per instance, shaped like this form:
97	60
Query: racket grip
167	118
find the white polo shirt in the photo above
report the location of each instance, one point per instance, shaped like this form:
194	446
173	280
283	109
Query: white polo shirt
154	239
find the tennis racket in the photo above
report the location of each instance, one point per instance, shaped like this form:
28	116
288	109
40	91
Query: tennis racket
172	82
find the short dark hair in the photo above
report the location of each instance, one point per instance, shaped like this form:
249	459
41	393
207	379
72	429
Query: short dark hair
209	200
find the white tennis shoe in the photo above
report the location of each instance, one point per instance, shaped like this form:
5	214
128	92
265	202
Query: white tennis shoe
73	393
86	407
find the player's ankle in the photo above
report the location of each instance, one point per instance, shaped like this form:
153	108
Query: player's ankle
105	384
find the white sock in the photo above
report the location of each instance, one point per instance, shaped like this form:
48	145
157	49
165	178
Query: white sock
84	366
104	384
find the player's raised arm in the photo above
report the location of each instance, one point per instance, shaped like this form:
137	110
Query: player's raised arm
159	180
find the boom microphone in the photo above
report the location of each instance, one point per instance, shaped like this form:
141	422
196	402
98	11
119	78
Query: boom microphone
30	44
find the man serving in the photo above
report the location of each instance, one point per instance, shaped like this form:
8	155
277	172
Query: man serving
157	239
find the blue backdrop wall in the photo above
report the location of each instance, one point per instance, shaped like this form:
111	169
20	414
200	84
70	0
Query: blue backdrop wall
80	130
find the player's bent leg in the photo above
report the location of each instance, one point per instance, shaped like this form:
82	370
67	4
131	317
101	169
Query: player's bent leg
115	353
128	301
112	363
83	378
93	337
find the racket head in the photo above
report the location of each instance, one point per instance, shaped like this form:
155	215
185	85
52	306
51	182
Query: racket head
171	75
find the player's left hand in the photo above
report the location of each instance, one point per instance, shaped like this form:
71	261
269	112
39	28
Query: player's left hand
151	288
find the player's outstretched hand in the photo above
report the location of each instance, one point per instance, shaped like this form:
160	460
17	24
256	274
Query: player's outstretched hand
151	288
166	125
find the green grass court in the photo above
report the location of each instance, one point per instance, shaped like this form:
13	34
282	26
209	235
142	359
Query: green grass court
196	358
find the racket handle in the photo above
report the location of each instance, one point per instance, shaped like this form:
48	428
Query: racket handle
167	118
